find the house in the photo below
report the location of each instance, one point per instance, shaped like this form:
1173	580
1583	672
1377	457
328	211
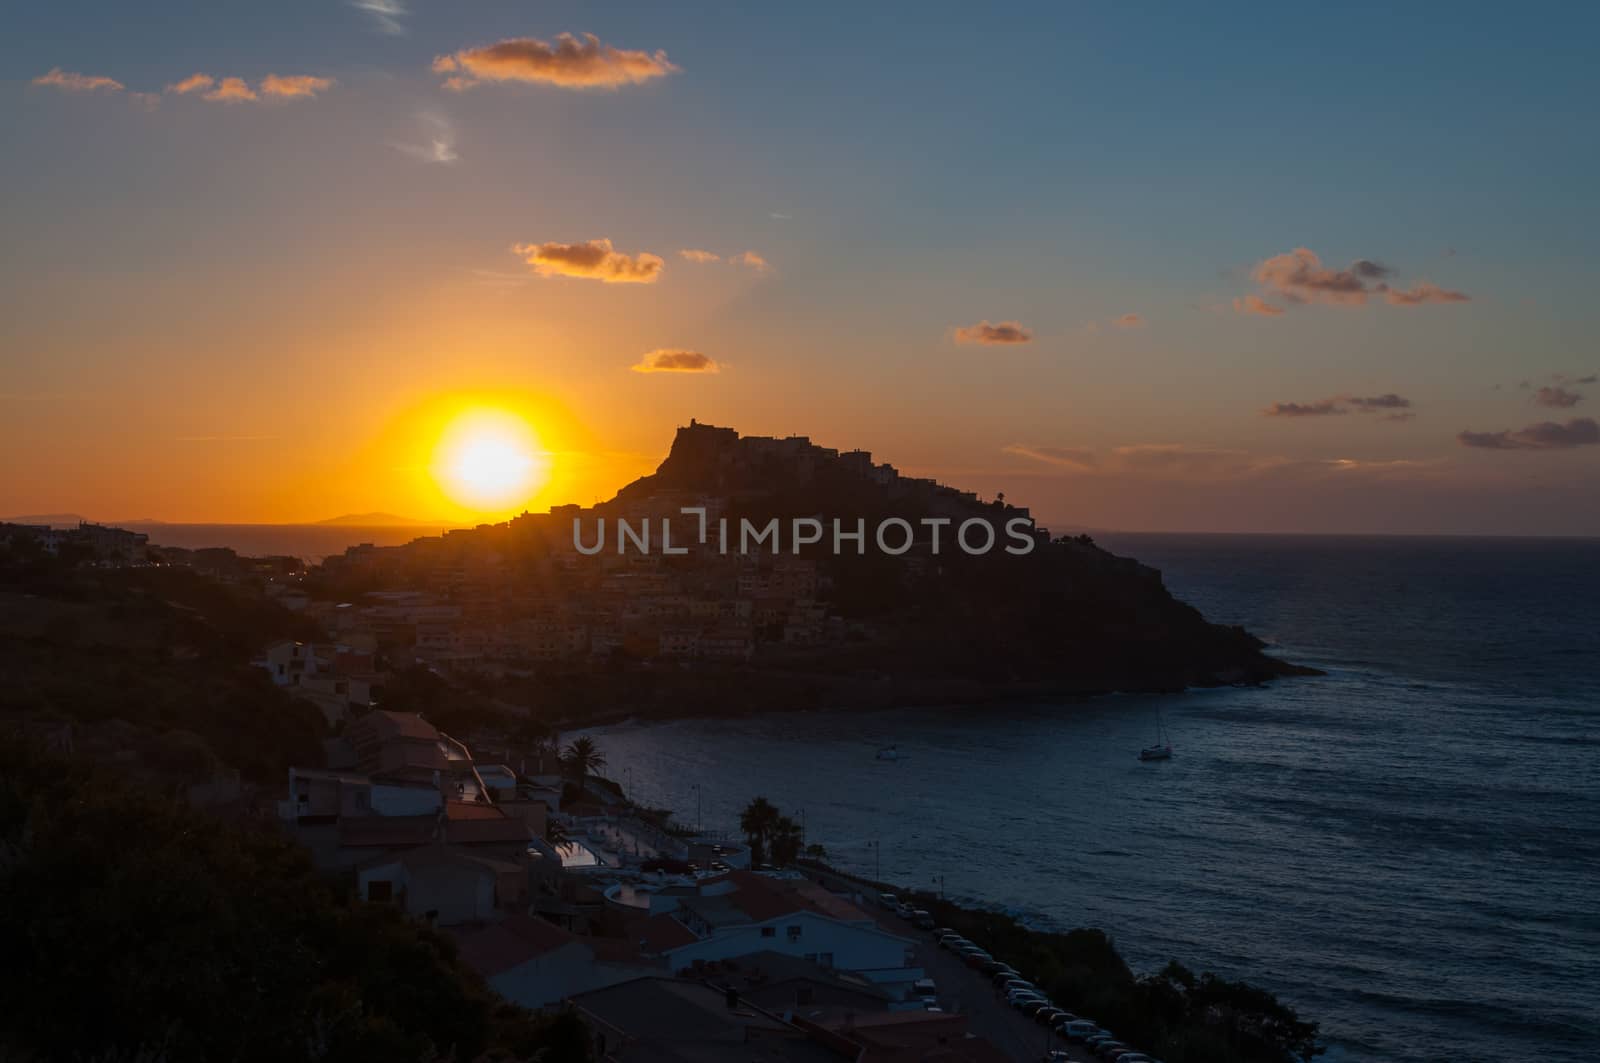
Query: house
744	912
901	1036
395	741
669	1020
444	884
537	964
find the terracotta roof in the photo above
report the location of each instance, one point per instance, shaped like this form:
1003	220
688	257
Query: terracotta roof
510	943
400	725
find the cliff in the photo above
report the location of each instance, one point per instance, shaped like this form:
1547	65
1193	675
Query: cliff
1067	616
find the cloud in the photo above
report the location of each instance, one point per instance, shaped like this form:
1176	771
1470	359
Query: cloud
1388	401
1423	293
438	142
1129	321
1398	406
192	83
1189	464
1081	459
1254	304
68	81
993	334
594	259
667	360
1320	408
751	259
1547	435
1557	397
569	62
231	90
696	255
385	14
1299	277
294	86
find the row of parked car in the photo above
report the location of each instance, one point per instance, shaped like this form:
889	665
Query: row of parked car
1032	1002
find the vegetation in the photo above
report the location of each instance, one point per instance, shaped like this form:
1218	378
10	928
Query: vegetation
148	666
581	759
1174	1014
134	929
772	836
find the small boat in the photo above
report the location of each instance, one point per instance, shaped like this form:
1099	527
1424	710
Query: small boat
1162	750
891	753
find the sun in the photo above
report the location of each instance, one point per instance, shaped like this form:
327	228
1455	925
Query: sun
490	460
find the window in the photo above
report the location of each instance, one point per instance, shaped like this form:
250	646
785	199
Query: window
794	933
769	931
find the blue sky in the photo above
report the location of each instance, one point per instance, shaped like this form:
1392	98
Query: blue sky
906	170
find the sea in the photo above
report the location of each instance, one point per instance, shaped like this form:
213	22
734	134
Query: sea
1407	849
309	542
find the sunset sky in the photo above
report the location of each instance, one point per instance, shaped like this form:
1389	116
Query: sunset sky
1201	269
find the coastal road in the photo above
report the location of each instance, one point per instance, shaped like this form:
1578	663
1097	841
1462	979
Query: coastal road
963	990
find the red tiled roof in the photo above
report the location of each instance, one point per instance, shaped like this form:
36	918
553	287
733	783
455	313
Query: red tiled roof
510	943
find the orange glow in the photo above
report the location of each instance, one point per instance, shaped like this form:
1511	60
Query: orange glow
489	460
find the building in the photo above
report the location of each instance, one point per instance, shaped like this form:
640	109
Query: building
534	963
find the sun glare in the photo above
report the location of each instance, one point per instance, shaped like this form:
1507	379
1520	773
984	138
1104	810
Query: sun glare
490	460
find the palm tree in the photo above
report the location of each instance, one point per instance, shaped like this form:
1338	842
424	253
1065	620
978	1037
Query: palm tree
785	841
582	759
757	821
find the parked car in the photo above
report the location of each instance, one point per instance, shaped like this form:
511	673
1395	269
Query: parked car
1078	1029
925	987
889	901
953	942
1048	1016
976	959
1110	1049
1003	981
1030	1008
921	919
941	932
1022	996
1133	1057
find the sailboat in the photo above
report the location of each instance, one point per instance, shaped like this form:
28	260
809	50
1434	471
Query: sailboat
1162	750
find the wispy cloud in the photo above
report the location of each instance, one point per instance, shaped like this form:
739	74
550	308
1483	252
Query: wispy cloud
1197	463
294	86
693	254
1299	277
1423	293
1393	407
238	90
1254	304
1557	397
386	15
752	260
70	81
231	90
569	62
1547	435
668	360
592	259
1129	321
993	334
437	141
193	83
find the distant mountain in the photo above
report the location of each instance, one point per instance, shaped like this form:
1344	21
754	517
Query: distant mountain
54	520
379	520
